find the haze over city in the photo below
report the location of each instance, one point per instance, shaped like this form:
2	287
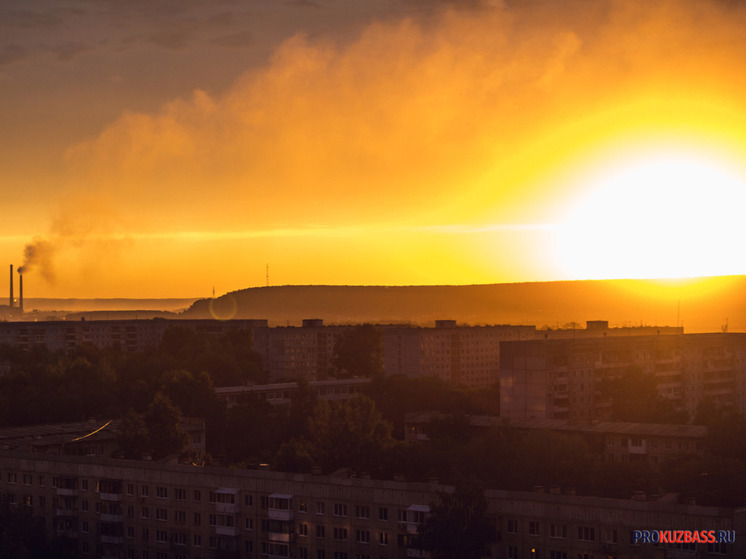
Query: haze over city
158	150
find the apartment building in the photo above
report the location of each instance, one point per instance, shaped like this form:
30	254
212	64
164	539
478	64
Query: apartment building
459	355
560	379
615	441
143	510
281	393
130	335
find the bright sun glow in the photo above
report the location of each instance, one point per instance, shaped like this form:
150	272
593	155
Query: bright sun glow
663	216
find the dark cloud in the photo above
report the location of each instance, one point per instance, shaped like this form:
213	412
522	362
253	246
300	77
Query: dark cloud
27	19
70	50
235	40
10	54
171	39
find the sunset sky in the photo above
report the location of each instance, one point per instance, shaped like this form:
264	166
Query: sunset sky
158	149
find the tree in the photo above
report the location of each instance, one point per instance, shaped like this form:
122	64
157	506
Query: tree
358	352
163	421
349	433
456	527
132	435
635	398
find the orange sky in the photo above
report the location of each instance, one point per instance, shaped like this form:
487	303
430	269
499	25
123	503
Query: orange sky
161	151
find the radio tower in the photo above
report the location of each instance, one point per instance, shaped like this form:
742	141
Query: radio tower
267	275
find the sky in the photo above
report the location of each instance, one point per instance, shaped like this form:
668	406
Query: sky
166	149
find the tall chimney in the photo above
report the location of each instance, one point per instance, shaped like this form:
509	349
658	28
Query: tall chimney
11	287
20	292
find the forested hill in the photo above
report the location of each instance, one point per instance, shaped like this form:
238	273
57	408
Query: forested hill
703	305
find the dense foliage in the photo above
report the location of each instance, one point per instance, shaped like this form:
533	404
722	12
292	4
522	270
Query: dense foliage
150	391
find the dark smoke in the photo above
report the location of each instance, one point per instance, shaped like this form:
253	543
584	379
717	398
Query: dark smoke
38	255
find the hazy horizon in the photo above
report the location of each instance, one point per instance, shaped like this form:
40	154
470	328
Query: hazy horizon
166	150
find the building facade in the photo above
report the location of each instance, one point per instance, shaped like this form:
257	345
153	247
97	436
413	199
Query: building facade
560	379
141	510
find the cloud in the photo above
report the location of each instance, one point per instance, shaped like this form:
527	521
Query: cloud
416	121
27	19
69	50
235	40
10	54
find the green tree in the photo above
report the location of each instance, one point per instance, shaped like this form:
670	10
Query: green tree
635	398
456	527
358	352
132	435
163	421
349	433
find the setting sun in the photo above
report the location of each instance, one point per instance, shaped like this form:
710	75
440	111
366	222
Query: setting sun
668	214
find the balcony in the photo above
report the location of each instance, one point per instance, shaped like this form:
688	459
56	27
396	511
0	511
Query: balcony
226	508
65	492
65	512
226	530
110	496
281	537
117	540
111	517
280	514
408	527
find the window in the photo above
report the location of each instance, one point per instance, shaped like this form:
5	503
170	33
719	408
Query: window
557	555
383	514
144	490
512	552
161	536
130	531
383	538
320	531
302	529
180	494
84	527
84	485
144	512
512	526
558	531
197	518
362	511
145	535
362	536
586	533
302	507
248	524
533	528
248	500
28	479
340	555
84	505
130	489
320	508
197	540
340	534
320	554
161	492
340	509
197	495
180	516
12	477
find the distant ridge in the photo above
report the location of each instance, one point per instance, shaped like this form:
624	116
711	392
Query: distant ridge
706	307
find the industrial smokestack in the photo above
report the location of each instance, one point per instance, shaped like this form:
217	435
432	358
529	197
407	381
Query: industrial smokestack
20	292
10	304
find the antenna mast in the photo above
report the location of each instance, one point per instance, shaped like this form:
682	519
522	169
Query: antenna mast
267	275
